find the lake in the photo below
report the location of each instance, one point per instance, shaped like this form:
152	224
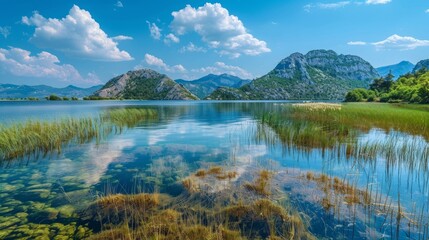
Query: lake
262	169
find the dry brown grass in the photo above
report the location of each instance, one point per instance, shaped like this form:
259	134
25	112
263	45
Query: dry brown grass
340	188
262	184
318	106
215	170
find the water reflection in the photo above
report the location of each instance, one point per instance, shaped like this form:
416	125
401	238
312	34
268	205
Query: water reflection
93	163
157	155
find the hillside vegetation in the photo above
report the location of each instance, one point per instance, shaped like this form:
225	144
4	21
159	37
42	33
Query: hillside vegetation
412	88
319	74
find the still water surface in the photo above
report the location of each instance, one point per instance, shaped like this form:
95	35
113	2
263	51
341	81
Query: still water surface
185	137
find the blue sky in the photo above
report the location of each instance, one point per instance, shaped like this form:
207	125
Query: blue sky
87	42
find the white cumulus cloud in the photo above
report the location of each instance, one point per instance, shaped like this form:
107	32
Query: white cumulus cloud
377	1
77	33
20	62
427	11
221	68
341	4
401	43
122	38
333	5
356	43
155	31
218	29
160	64
192	48
171	38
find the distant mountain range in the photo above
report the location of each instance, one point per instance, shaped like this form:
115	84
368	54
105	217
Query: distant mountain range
421	64
144	84
397	70
41	91
204	86
319	74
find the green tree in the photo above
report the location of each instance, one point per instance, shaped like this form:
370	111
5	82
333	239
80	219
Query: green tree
354	96
382	84
53	97
423	92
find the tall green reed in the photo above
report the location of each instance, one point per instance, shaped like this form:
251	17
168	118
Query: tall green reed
36	138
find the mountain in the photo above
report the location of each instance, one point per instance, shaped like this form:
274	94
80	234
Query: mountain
397	70
206	85
421	64
319	74
144	84
41	91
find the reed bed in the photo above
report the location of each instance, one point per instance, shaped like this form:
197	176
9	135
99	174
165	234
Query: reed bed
412	119
398	138
306	135
319	106
335	130
39	138
127	117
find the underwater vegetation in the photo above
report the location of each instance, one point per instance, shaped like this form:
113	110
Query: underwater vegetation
340	190
197	213
261	185
345	200
393	138
312	173
34	138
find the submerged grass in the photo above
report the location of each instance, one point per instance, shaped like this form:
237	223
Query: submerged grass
398	138
262	184
34	138
338	188
197	214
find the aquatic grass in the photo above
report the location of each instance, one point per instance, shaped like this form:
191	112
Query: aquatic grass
203	178
140	201
350	193
268	217
218	172
339	196
262	184
318	106
36	138
215	170
302	134
127	117
334	130
405	118
228	214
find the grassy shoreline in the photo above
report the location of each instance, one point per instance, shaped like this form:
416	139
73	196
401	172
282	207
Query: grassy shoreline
39	138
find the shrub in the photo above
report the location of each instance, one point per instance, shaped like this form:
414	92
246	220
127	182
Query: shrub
354	96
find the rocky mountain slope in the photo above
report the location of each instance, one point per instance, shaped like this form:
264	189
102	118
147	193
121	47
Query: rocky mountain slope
144	84
319	74
397	70
41	91
206	85
421	64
